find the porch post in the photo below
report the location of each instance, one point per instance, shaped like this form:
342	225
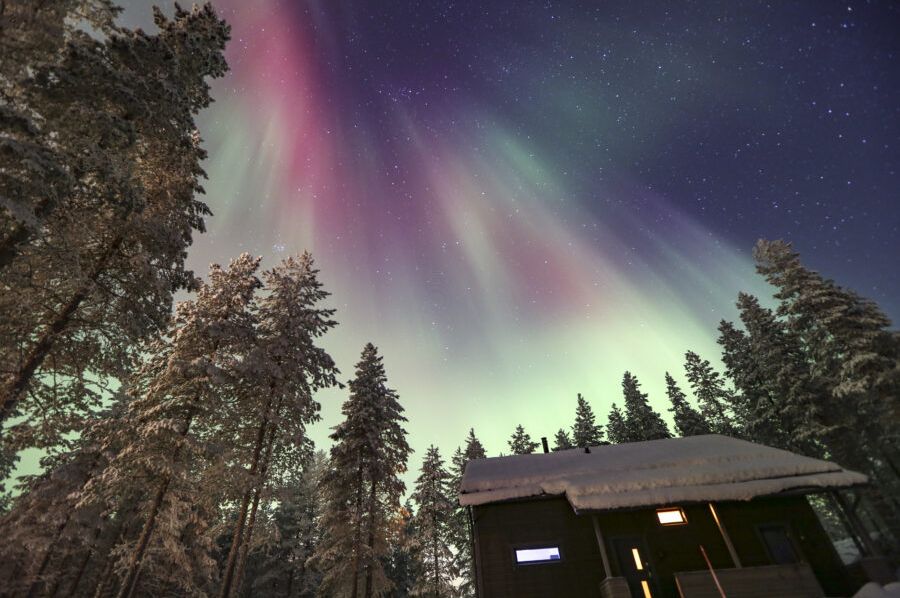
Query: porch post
602	545
728	544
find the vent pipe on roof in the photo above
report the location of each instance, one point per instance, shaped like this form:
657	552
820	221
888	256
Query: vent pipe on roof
587	449
544	442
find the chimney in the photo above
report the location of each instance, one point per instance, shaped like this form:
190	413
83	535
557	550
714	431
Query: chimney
587	450
544	442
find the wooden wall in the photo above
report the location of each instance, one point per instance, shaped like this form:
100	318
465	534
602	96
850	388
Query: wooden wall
671	549
502	527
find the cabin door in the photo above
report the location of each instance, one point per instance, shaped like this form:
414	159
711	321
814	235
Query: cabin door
631	553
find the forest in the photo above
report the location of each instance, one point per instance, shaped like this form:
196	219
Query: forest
176	459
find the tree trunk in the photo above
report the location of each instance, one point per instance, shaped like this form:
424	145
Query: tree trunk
134	565
228	574
81	569
263	470
373	495
36	580
105	576
15	387
357	536
290	584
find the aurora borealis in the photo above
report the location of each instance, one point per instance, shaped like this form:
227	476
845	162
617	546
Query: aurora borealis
517	201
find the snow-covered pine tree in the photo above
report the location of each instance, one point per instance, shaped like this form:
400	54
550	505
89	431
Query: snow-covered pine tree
279	567
711	392
165	444
789	408
362	487
561	441
401	566
39	127
275	402
433	529
585	430
641	421
98	279
616	430
688	421
462	540
45	532
854	355
520	443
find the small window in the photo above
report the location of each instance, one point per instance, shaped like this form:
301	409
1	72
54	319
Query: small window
528	556
674	516
778	543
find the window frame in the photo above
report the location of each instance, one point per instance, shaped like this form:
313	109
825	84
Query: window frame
789	534
684	518
536	546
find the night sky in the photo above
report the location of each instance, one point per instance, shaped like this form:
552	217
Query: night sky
517	201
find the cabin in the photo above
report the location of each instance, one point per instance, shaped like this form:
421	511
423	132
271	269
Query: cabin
695	517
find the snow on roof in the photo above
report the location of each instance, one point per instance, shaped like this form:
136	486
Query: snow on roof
652	473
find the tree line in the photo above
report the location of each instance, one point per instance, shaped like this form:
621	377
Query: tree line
176	459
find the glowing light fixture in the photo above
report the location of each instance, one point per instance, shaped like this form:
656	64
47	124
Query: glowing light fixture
637	559
673	516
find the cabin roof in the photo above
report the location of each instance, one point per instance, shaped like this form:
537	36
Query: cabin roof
652	473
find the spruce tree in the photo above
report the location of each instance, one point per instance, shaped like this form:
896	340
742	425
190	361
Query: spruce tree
852	353
688	421
362	486
269	415
562	441
616	430
789	394
641	421
96	250
462	540
282	563
520	442
433	529
712	394
166	439
585	431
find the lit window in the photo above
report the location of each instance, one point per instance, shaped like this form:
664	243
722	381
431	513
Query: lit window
537	555
671	516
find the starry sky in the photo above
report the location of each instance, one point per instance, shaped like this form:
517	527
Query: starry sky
519	200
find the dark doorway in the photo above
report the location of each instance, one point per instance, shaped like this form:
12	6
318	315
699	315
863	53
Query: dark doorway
631	552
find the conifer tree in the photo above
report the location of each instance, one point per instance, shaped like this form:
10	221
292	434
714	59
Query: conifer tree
285	368
402	566
282	561
787	393
688	421
616	430
520	443
585	431
180	394
852	353
462	540
562	441
712	394
433	529
362	487
96	250
641	421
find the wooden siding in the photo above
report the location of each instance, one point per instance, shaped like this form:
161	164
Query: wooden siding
787	581
499	528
